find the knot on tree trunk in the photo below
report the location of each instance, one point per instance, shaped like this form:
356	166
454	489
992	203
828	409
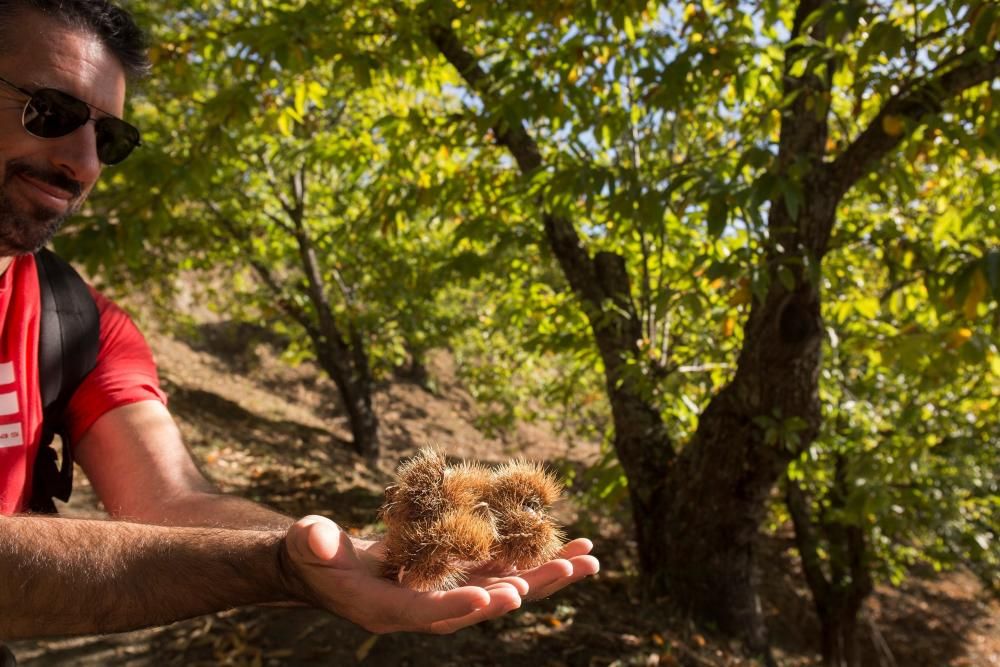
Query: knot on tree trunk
799	321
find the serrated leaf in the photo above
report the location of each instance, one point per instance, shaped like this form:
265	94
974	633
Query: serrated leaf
284	124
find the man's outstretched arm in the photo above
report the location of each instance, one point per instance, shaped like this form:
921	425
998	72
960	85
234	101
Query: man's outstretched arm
67	576
142	472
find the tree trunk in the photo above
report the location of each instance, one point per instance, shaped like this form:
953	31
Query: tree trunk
703	546
350	371
697	514
415	369
840	589
840	638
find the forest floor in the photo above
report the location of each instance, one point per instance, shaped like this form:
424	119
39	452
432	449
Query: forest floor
275	434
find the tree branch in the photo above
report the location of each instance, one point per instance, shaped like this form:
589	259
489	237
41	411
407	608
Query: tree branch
284	303
804	128
914	104
512	135
643	444
806	541
310	262
272	180
563	239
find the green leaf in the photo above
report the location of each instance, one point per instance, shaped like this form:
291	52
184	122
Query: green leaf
717	215
867	307
606	139
786	277
629	29
285	124
883	38
793	198
300	98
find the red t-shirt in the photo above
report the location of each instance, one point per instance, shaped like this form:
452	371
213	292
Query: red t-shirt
125	373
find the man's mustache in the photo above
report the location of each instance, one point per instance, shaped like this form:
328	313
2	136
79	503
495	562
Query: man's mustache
58	179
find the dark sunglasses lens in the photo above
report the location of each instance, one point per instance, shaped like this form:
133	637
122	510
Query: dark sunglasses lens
50	114
115	140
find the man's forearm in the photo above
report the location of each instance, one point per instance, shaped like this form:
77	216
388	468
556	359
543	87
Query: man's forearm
65	576
211	509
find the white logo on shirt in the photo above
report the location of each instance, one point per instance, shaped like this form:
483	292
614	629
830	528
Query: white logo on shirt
10	434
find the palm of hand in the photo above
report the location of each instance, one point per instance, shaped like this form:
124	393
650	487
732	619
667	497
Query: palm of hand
342	575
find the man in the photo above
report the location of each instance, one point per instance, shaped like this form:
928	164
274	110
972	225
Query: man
178	548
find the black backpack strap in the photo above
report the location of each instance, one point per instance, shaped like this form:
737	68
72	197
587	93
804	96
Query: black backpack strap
68	342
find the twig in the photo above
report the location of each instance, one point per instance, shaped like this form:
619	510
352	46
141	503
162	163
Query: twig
885	656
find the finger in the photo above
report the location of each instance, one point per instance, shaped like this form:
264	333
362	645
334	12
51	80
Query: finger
504	598
578	547
520	585
585	566
546	573
505	595
582	566
310	519
486	580
392	608
442	605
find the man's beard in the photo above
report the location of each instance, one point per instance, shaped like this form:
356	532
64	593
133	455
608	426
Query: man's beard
25	232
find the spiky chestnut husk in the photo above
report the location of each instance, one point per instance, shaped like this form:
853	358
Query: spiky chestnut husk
416	494
437	523
519	495
437	556
443	520
426	487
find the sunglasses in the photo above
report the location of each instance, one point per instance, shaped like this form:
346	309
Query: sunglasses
50	114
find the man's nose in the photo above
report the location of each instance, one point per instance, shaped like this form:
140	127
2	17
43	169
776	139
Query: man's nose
76	155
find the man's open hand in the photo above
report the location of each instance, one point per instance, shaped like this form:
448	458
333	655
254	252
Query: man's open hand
343	576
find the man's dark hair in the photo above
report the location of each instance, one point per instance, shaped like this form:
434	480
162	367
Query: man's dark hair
110	23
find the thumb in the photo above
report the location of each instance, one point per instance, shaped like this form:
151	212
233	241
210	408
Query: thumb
324	541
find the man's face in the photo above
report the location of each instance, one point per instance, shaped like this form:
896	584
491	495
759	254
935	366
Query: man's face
42	181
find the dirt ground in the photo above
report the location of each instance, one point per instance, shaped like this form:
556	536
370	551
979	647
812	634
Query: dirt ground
276	434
